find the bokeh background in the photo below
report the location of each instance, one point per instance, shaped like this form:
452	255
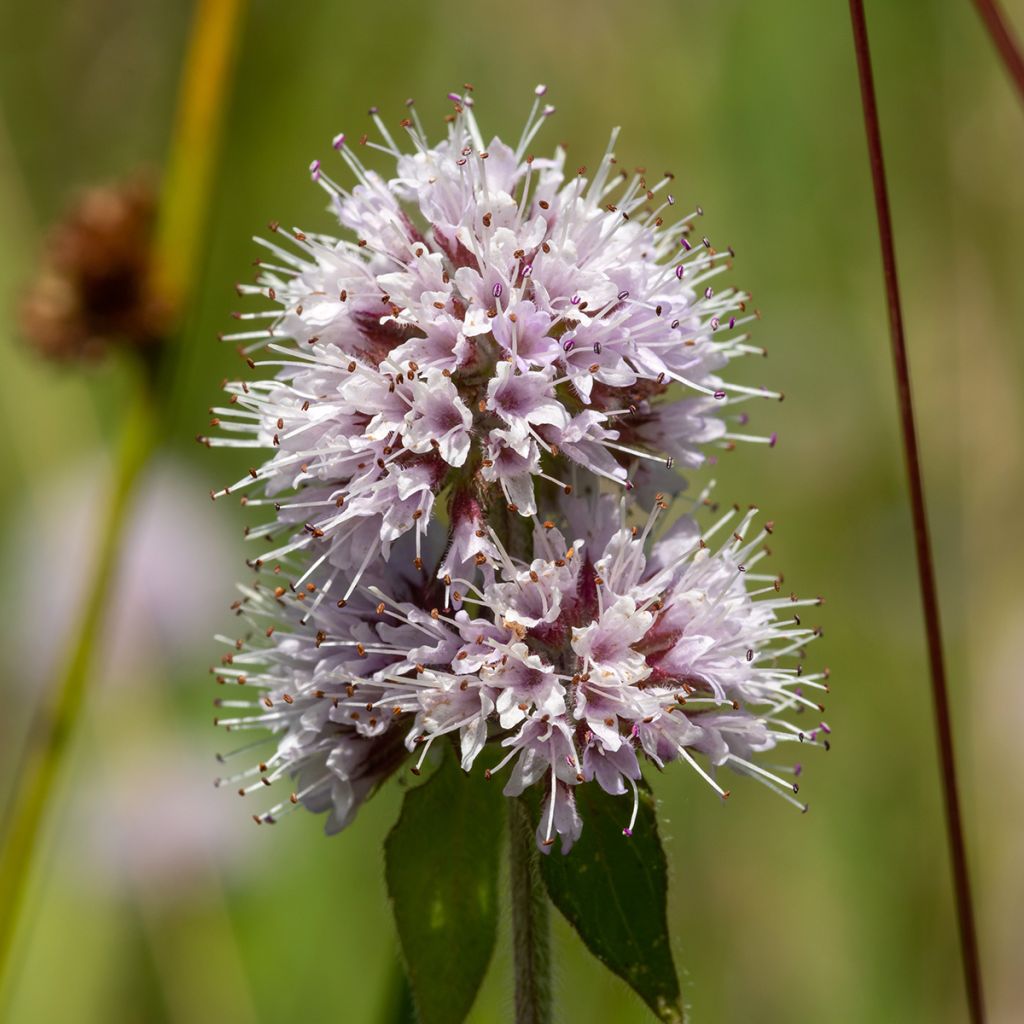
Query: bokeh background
154	898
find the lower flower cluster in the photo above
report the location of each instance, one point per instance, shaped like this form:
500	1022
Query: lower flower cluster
617	641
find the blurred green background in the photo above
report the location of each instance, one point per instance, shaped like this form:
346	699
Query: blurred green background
154	898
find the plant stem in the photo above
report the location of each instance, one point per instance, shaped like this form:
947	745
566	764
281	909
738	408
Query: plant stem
1003	39
398	1005
531	924
192	159
185	200
925	564
54	721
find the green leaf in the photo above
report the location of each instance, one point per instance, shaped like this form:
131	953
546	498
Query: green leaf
441	863
612	889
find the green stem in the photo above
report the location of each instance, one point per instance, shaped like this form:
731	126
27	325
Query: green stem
531	924
398	1005
185	201
54	720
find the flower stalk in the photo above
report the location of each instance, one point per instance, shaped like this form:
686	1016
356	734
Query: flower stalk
184	204
53	724
531	925
925	562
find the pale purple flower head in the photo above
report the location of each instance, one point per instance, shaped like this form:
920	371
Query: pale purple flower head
564	668
486	322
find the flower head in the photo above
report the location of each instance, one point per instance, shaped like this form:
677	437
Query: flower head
93	289
572	665
488	322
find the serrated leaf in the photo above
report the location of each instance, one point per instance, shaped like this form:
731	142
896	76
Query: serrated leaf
612	889
441	864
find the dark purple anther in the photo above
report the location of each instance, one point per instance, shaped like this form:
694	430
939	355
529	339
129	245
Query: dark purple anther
454	97
575	300
627	832
708	292
685	244
772	440
339	140
732	322
314	170
719	395
496	290
714	323
680	270
623	295
569	345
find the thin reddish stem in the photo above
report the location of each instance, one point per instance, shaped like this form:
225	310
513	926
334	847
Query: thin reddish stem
1003	39
925	564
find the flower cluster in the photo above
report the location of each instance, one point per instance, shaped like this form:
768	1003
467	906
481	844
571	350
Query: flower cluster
496	337
491	319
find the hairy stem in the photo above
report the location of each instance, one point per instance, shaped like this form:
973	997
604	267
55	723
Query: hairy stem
1003	40
925	564
531	924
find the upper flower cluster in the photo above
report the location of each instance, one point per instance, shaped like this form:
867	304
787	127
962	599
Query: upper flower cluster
489	323
577	659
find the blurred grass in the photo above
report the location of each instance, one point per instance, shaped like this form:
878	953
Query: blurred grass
842	915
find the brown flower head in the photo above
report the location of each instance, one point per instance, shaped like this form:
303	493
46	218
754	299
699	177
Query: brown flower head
92	289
